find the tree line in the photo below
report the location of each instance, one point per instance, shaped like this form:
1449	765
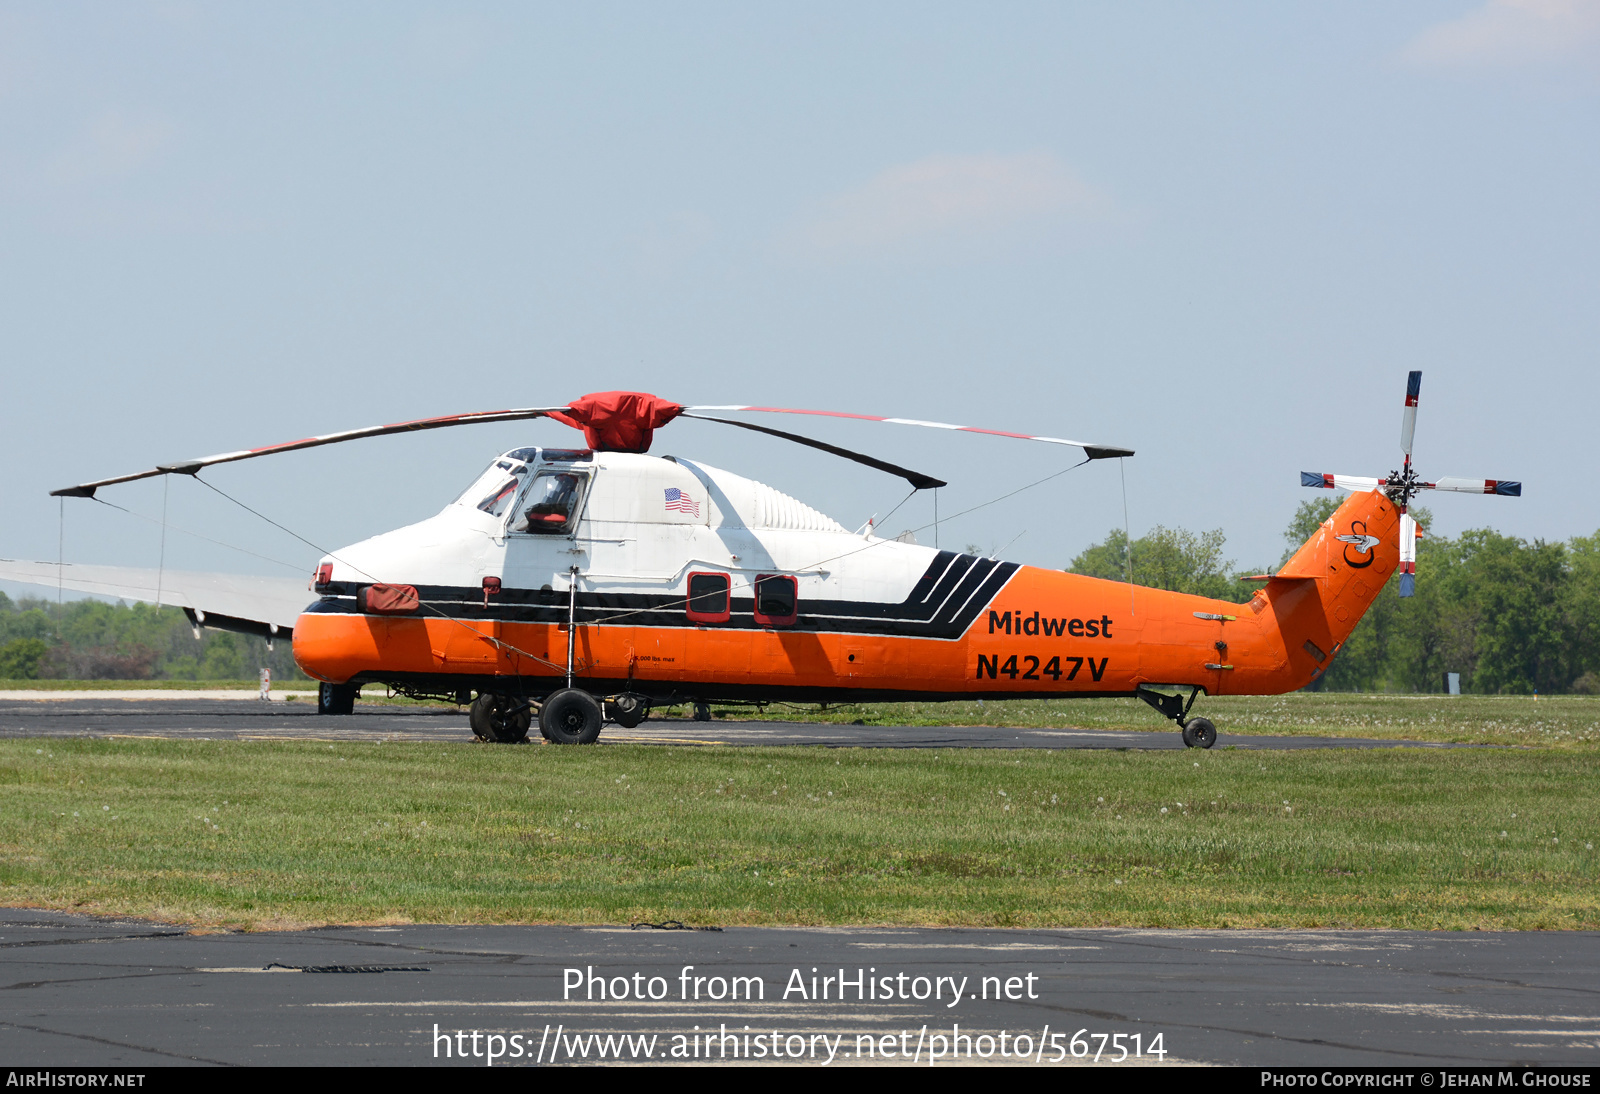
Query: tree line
1511	617
95	640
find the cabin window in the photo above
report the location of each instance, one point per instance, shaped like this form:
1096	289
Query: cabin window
709	598
777	597
550	507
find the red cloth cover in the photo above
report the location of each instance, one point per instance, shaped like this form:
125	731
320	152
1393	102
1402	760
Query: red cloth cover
390	599
619	421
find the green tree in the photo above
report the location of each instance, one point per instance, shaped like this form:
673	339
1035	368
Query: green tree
19	658
1164	558
99	640
1581	612
1519	588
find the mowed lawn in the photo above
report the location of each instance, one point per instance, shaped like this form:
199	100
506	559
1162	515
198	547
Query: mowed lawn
1565	721
268	834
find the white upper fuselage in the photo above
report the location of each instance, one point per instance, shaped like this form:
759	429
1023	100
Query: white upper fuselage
642	524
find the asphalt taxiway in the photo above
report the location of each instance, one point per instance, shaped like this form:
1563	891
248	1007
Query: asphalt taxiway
108	992
253	719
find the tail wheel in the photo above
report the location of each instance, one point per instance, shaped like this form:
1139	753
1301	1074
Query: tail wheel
571	717
627	710
491	718
1199	733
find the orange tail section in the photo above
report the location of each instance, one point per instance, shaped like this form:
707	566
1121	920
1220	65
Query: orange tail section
1319	596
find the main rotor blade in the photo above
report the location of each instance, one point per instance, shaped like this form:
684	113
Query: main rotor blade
190	467
1094	451
1503	487
916	478
1341	482
1408	423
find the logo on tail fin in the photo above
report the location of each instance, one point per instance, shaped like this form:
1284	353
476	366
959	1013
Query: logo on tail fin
1362	542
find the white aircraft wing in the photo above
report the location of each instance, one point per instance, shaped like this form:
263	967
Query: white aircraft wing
234	602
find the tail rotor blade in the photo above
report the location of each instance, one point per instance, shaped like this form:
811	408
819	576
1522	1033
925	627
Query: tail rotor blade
1321	481
1408	423
1503	487
1408	554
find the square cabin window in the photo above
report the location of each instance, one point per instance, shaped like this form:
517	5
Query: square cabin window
777	598
550	506
709	600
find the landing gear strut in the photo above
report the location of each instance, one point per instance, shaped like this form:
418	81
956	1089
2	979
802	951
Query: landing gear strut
1197	732
627	710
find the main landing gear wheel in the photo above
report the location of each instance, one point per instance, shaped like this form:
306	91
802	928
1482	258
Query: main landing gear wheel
337	698
1199	733
491	719
627	710
702	712
571	717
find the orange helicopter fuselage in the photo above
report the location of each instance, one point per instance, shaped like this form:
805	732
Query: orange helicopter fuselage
1023	632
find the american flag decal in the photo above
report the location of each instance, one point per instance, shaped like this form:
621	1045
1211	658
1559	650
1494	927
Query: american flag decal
679	502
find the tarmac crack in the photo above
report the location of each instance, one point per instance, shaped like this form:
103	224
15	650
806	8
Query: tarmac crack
118	1044
87	941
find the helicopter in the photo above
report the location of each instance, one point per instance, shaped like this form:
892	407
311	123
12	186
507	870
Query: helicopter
581	586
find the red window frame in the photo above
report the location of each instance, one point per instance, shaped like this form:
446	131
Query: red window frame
727	603
777	620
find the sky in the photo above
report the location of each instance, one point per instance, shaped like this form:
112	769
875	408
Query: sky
1218	234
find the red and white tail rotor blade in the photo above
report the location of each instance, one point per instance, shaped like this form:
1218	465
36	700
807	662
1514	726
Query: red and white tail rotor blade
1321	481
1408	554
1503	487
1408	423
1093	451
190	467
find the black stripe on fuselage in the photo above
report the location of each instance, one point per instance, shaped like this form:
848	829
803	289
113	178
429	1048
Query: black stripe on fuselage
667	692
943	604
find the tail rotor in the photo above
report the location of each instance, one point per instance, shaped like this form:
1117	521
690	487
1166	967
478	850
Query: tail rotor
1403	485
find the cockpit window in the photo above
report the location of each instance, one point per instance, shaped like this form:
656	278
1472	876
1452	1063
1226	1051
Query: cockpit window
496	488
551	503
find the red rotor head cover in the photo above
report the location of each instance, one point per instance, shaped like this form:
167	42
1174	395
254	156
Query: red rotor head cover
619	421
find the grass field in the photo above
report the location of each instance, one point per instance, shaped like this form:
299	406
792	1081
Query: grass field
1565	721
259	834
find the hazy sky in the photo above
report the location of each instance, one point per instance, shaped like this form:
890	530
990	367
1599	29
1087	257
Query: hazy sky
1218	234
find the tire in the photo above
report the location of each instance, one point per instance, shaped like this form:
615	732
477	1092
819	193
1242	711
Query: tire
1199	733
337	698
571	717
702	712
491	720
627	710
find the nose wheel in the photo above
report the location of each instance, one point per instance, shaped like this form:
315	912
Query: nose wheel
337	698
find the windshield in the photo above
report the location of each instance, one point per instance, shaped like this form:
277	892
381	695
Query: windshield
493	491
